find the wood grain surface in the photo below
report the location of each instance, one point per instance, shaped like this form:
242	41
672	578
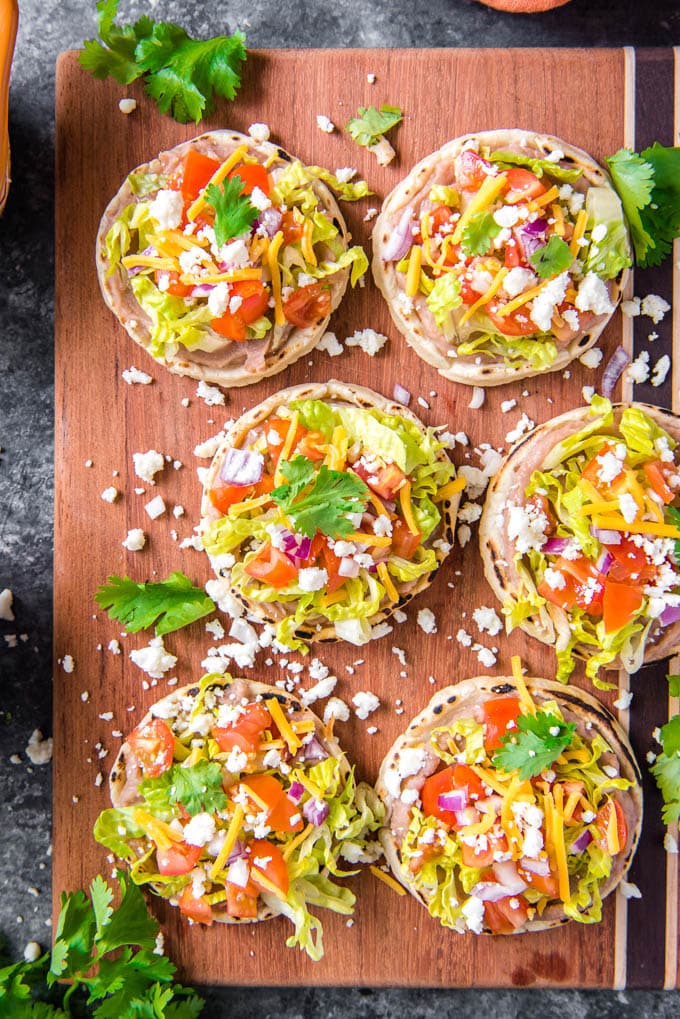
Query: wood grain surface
587	97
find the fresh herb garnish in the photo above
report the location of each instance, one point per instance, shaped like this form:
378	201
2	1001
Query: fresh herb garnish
319	500
666	768
539	741
134	983
552	259
170	603
182	74
234	213
673	517
648	184
198	788
479	233
370	124
564	174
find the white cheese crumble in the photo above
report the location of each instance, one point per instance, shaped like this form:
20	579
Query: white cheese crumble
593	295
206	450
330	344
638	370
324	688
628	507
544	304
155	508
631	308
426	621
259	132
525	424
39	750
368	339
68	664
312	578
365	703
591	358
473	913
609	469
148	464
507	405
518	280
210	395
135	540
324	123
660	370
654	307
623	702
337	709
167	209
487	620
154	659
555	580
526	527
218	300
199	830
110	494
629	890
134	376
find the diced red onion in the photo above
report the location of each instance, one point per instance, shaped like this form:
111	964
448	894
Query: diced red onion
540	867
477	400
239	873
555	546
296	548
456	799
468	815
531	236
604	563
348	568
490	891
269	220
304	548
296	791
506	872
134	270
580	844
606	536
237	851
315	811
610	376
289	542
242	467
400	240
203	290
401	395
313	751
671	614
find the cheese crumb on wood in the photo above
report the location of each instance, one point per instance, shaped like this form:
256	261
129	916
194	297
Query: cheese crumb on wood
127	106
211	395
365	703
148	464
135	540
324	123
134	377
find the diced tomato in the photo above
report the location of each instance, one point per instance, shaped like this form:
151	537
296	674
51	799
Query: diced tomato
223	495
522	185
657	473
442	221
272	567
404	541
280	809
246	731
308	304
264	486
240	904
472	857
197	171
230	325
274	869
630	563
584	586
433	787
542	504
279	427
385	481
592	470
517	323
310	446
180	858
501	918
174	287
620	603
513	254
197	909
498	714
467	293
602	823
472	170
291	227
546	884
331	564
254	299
253	176
153	745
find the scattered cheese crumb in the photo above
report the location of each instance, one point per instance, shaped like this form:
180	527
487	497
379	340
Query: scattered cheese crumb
368	339
133	376
127	105
148	464
365	703
155	508
330	344
507	405
654	307
135	540
324	123
661	369
426	621
210	395
259	132
110	494
154	659
638	370
68	665
624	700
591	358
6	600
487	620
39	750
336	708
629	890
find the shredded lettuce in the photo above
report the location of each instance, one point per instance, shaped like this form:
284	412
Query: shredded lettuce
174	323
443	299
354	257
610	255
539	351
564	174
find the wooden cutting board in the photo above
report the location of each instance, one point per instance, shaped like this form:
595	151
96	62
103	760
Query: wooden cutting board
596	99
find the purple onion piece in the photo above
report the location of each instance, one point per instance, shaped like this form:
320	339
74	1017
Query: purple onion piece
315	811
134	270
531	236
456	799
304	548
671	614
540	867
490	891
506	873
606	536
203	290
604	563
401	395
610	376
237	852
313	751
296	791
288	541
269	220
400	240
555	546
580	844
242	467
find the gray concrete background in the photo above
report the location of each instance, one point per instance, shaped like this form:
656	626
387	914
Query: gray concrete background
26	428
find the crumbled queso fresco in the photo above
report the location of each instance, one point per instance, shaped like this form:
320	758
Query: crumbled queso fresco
148	464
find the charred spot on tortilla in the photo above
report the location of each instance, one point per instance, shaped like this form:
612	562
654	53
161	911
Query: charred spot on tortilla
503	688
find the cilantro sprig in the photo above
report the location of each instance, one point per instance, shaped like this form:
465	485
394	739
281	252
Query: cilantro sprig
479	233
537	743
234	214
319	500
370	124
198	788
171	603
552	259
648	184
134	983
666	768
182	74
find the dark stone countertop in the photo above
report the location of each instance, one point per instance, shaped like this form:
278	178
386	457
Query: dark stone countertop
26	427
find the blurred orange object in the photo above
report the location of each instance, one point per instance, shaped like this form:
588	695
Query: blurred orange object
524	6
9	19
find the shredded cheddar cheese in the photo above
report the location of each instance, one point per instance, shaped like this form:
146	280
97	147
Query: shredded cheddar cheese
217	178
451	488
300	837
229	842
413	273
387	879
273	263
407	507
287	447
488	192
384	575
282	724
161	833
579	230
486	297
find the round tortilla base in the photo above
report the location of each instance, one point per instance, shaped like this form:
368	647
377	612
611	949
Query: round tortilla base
252	689
508	487
356	396
489	372
458	701
292	342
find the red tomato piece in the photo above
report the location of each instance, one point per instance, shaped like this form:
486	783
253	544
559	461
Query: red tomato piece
331	564
223	495
602	823
180	858
153	745
513	254
253	176
542	504
404	541
433	787
254	299
246	731
442	221
546	884
240	904
522	185
465	777
310	446
592	470
501	918
199	910
584	586
498	714
231	326
517	323
174	287
281	810
272	567
630	563
657	473
308	304
197	171
272	864
472	170
620	603
291	227
484	857
385	481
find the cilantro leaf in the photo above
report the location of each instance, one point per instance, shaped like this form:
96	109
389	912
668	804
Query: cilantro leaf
670	738
673	517
130	924
234	214
552	259
319	500
101	896
182	74
674	685
536	745
648	184
170	603
370	124
74	936
666	772
197	788
478	234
